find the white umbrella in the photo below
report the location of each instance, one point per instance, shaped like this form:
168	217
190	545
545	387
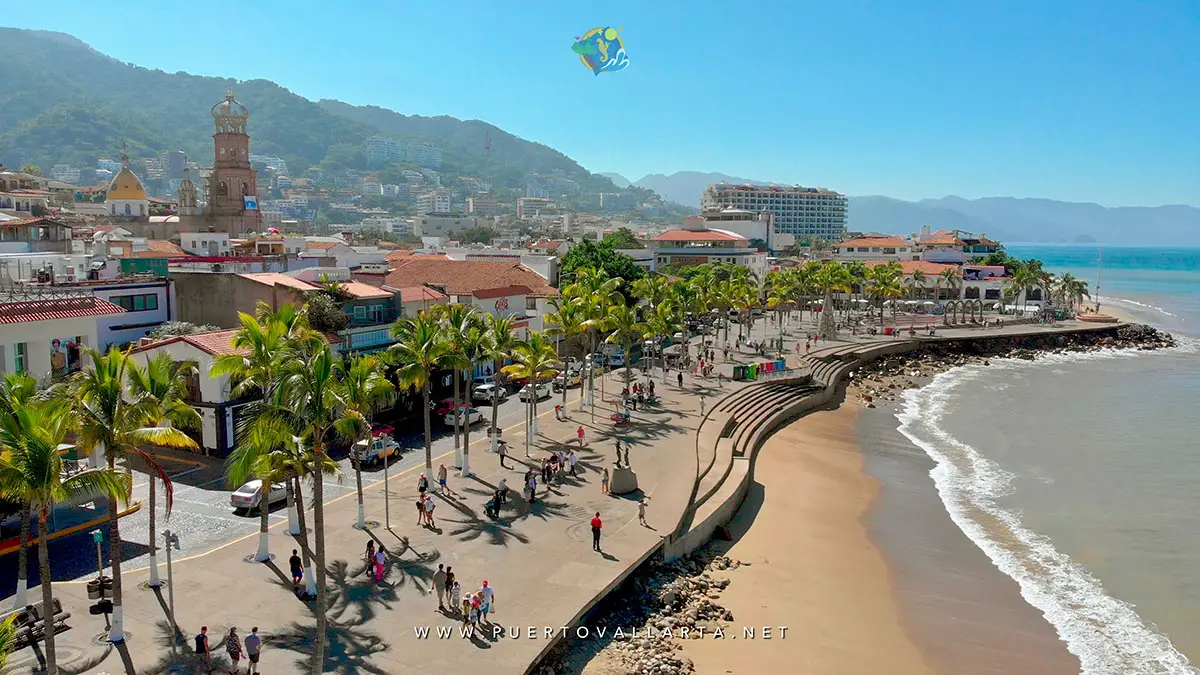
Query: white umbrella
928	303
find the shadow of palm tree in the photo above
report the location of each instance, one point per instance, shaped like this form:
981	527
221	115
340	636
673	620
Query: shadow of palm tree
348	647
362	596
546	510
184	660
417	569
498	532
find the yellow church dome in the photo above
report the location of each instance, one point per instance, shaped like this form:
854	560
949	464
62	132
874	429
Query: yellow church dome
125	185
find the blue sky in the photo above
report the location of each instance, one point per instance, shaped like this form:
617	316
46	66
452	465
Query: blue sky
1082	100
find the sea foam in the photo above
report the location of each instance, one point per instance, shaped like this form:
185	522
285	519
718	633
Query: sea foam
1105	633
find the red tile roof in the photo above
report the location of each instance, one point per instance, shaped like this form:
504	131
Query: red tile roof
161	249
465	277
217	342
546	244
419	294
929	269
362	291
322	244
698	235
505	292
943	240
56	308
875	241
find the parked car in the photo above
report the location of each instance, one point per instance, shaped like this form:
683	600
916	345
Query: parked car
466	417
380	429
377	450
616	359
568	378
446	405
246	497
678	337
486	393
542	389
484	379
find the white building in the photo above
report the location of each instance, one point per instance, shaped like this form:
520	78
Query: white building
47	337
799	211
108	165
442	225
381	150
758	227
211	244
434	201
394	224
878	248
481	204
424	154
372	189
66	173
695	244
534	208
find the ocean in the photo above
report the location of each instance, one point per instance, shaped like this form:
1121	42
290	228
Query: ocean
1077	474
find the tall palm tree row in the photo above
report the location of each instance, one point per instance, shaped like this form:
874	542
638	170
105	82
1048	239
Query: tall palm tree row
18	390
367	388
112	422
533	359
31	472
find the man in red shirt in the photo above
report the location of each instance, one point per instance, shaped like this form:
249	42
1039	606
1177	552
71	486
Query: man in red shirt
596	532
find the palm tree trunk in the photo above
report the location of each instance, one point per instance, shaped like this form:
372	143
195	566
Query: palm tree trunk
319	535
154	578
428	431
495	432
457	448
264	510
117	630
47	592
293	519
310	583
356	457
21	599
466	467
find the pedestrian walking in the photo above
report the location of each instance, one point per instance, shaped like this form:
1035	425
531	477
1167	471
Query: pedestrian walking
233	647
596	525
455	600
652	387
450	582
475	603
604	482
441	479
503	455
429	506
380	560
702	405
369	556
679	377
579	435
253	651
422	484
297	568
558	411
573	460
439	585
502	493
642	512
489	600
202	648
421	509
466	613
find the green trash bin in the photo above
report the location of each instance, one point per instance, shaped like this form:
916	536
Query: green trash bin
752	371
739	373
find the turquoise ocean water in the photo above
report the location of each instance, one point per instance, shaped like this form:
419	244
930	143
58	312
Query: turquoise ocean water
1079	476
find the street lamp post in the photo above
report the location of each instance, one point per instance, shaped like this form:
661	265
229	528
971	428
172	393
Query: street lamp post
171	539
387	513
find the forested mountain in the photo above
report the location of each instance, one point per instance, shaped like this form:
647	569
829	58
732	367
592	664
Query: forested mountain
63	102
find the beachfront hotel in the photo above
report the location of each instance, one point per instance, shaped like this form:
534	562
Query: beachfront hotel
799	211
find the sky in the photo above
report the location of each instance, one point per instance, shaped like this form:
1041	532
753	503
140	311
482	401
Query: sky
1077	100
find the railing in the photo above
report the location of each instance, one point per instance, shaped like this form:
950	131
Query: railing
18	292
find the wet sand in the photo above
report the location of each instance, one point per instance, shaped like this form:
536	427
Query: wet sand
813	566
852	549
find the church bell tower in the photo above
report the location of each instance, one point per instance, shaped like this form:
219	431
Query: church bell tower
233	186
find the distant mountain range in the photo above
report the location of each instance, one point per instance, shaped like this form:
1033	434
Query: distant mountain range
1004	218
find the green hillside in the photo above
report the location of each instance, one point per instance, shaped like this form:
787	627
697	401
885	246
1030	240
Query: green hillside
63	102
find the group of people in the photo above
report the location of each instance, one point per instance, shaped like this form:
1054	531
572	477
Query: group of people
376	560
425	501
639	395
235	647
472	609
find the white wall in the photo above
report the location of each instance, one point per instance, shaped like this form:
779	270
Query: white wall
136	324
37	336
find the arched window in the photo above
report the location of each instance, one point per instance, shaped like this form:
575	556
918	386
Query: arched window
222	189
128	211
114	209
142	209
245	189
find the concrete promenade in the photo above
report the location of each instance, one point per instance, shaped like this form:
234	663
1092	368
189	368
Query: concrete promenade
539	561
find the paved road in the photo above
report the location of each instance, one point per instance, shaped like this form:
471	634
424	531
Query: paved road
203	518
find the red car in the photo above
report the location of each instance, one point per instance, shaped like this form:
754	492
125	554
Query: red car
445	405
380	429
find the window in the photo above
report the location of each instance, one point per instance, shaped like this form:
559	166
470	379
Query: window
360	312
19	357
530	303
376	312
136	303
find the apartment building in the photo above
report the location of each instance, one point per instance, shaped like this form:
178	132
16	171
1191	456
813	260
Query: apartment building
800	211
434	201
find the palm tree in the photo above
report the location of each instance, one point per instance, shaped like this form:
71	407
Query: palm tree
457	320
653	289
165	382
533	359
420	349
474	348
31	472
567	322
258	342
662	322
498	345
886	284
8	639
916	284
17	390
951	277
832	278
1019	284
625	327
311	391
367	387
111	423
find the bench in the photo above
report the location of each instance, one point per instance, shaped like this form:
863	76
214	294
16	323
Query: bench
30	623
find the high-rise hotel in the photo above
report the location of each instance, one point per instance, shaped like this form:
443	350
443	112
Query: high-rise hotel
802	211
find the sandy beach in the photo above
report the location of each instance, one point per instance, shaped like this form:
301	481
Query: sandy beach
814	568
